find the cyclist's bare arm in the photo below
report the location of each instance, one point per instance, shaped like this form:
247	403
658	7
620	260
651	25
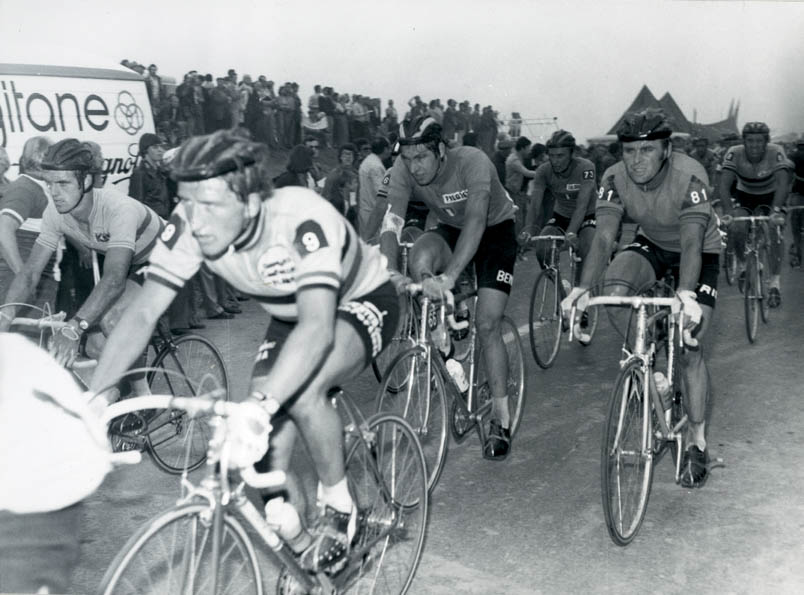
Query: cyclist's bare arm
25	281
303	353
581	206
535	206
131	334
474	225
8	243
602	244
394	211
111	286
723	201
692	237
782	187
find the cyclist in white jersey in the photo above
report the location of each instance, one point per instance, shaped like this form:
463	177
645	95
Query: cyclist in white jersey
328	294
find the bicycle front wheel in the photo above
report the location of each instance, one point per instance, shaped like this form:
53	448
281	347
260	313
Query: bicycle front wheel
173	554
545	319
515	384
730	266
763	271
186	366
404	339
750	298
388	479
626	461
422	401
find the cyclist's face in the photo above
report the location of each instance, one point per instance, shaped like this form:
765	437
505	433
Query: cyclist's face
755	145
215	213
559	158
64	188
643	159
421	162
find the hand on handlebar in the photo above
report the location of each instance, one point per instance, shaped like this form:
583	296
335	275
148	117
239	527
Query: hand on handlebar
249	426
579	298
778	218
64	346
435	287
571	240
726	220
399	280
687	302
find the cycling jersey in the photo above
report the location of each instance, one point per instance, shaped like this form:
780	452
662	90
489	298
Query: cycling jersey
298	240
563	189
467	173
798	180
756	178
679	194
116	221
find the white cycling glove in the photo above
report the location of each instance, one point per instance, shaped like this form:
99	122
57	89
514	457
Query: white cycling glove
687	301
248	429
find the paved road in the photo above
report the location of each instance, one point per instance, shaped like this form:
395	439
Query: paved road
534	523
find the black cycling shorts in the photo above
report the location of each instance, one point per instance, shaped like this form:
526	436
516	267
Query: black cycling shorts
752	201
663	260
495	257
375	317
563	222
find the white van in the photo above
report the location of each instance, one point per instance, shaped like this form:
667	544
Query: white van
105	104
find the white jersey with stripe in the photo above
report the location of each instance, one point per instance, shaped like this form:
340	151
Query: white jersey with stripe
299	240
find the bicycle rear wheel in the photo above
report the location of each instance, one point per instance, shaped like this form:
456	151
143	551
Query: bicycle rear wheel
545	319
750	298
422	402
186	366
388	479
173	554
515	387
626	460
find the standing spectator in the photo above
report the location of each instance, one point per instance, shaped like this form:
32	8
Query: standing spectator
360	118
148	182
450	124
326	105
515	125
703	155
347	156
340	134
21	207
469	139
172	121
313	145
297	114
474	119
371	173
341	183
219	107
392	115
516	175
153	84
500	156
312	103
434	111
297	171
487	131
5	164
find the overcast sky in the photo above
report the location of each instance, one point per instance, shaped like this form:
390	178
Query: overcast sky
582	62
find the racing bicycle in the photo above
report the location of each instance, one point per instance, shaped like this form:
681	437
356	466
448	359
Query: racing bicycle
201	545
417	382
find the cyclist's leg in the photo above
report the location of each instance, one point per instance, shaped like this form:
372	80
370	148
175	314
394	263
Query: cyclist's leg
796	221
432	251
586	234
494	263
695	376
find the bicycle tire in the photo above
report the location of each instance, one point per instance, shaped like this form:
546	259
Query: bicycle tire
515	388
762	285
730	266
174	441
388	479
624	514
545	319
122	575
423	404
750	299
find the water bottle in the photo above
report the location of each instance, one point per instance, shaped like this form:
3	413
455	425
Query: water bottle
458	374
283	518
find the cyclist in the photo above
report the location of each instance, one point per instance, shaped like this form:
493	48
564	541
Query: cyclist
667	194
562	192
327	292
762	172
102	219
797	199
475	223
